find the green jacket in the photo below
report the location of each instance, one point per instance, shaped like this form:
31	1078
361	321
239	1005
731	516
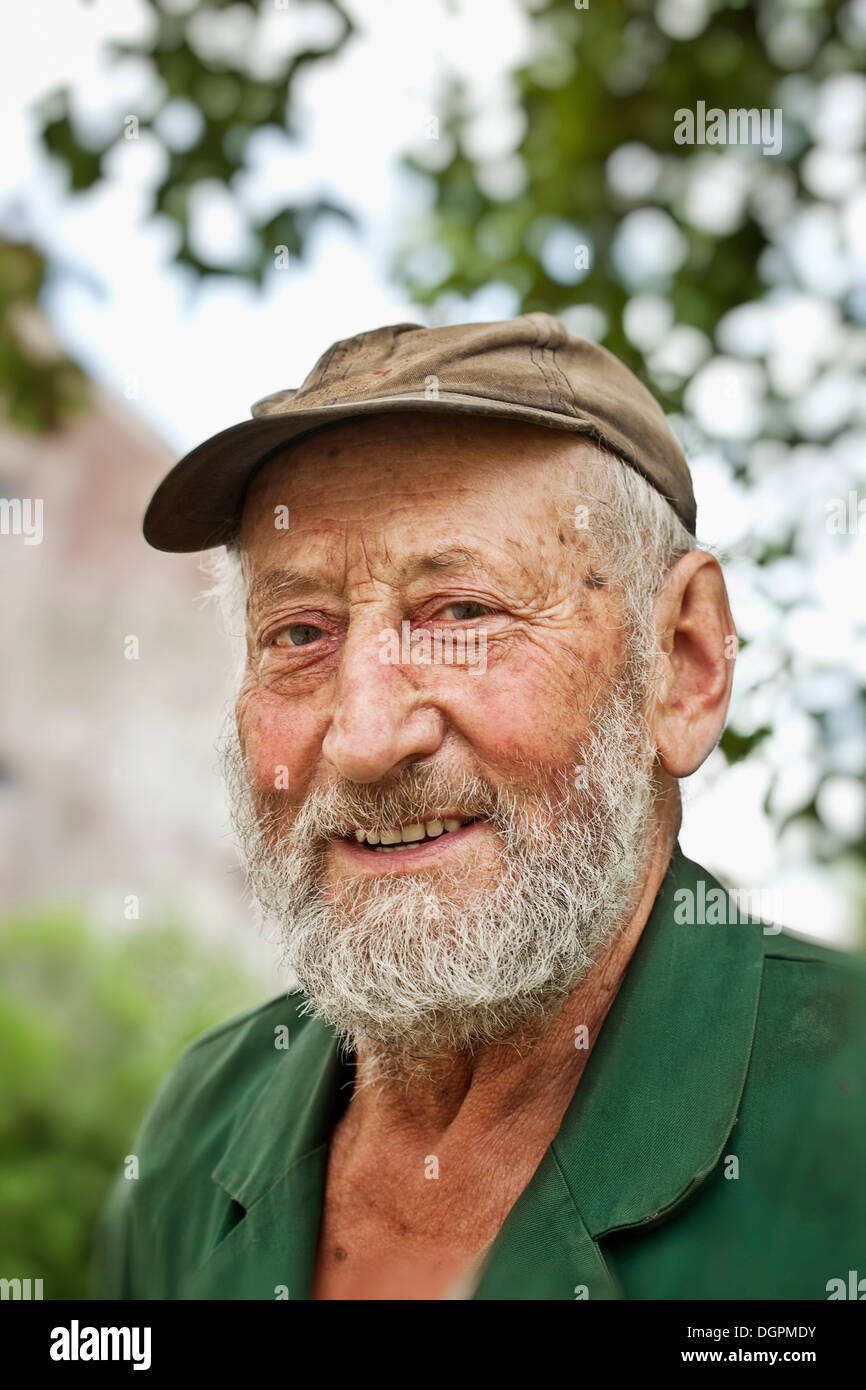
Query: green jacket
714	1148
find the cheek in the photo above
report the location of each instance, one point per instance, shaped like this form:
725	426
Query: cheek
533	711
280	750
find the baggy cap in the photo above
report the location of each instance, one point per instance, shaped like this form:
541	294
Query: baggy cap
527	368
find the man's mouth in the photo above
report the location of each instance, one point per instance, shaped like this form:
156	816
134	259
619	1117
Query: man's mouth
396	839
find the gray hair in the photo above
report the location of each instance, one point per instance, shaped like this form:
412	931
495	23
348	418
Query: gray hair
633	534
227	588
634	537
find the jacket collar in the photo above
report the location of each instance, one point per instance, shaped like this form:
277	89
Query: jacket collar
274	1167
293	1115
660	1094
647	1124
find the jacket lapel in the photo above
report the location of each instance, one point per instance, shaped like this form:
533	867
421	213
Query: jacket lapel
544	1251
274	1170
270	1253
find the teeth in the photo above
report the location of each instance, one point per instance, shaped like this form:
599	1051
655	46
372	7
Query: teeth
394	837
412	832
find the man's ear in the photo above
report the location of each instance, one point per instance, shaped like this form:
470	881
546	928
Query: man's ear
698	643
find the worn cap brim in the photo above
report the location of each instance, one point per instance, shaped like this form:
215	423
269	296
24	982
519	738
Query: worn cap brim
198	504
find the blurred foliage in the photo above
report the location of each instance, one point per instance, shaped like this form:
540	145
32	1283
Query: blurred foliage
233	105
603	77
90	1023
39	387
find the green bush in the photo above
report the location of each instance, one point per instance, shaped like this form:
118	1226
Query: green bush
90	1023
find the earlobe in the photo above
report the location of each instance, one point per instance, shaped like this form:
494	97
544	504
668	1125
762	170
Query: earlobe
694	628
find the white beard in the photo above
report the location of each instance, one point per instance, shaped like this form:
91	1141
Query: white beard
426	964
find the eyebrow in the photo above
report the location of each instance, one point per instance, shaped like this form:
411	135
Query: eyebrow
447	558
276	584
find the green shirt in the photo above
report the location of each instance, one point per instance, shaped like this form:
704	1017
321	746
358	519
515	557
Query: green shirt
714	1148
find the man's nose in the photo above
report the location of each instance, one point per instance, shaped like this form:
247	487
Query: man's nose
380	720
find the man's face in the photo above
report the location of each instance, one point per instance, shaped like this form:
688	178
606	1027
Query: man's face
350	720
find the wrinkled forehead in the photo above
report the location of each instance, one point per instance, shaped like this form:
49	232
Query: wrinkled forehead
385	486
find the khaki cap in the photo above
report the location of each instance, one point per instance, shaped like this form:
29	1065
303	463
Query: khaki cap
528	368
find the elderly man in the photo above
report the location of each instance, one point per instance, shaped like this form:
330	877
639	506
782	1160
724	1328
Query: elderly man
525	1059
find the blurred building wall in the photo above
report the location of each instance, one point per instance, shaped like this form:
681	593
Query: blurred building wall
108	780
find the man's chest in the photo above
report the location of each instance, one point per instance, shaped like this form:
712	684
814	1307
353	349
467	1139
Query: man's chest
360	1257
397	1234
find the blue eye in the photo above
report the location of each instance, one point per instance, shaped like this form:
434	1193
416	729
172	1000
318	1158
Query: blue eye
301	634
464	616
